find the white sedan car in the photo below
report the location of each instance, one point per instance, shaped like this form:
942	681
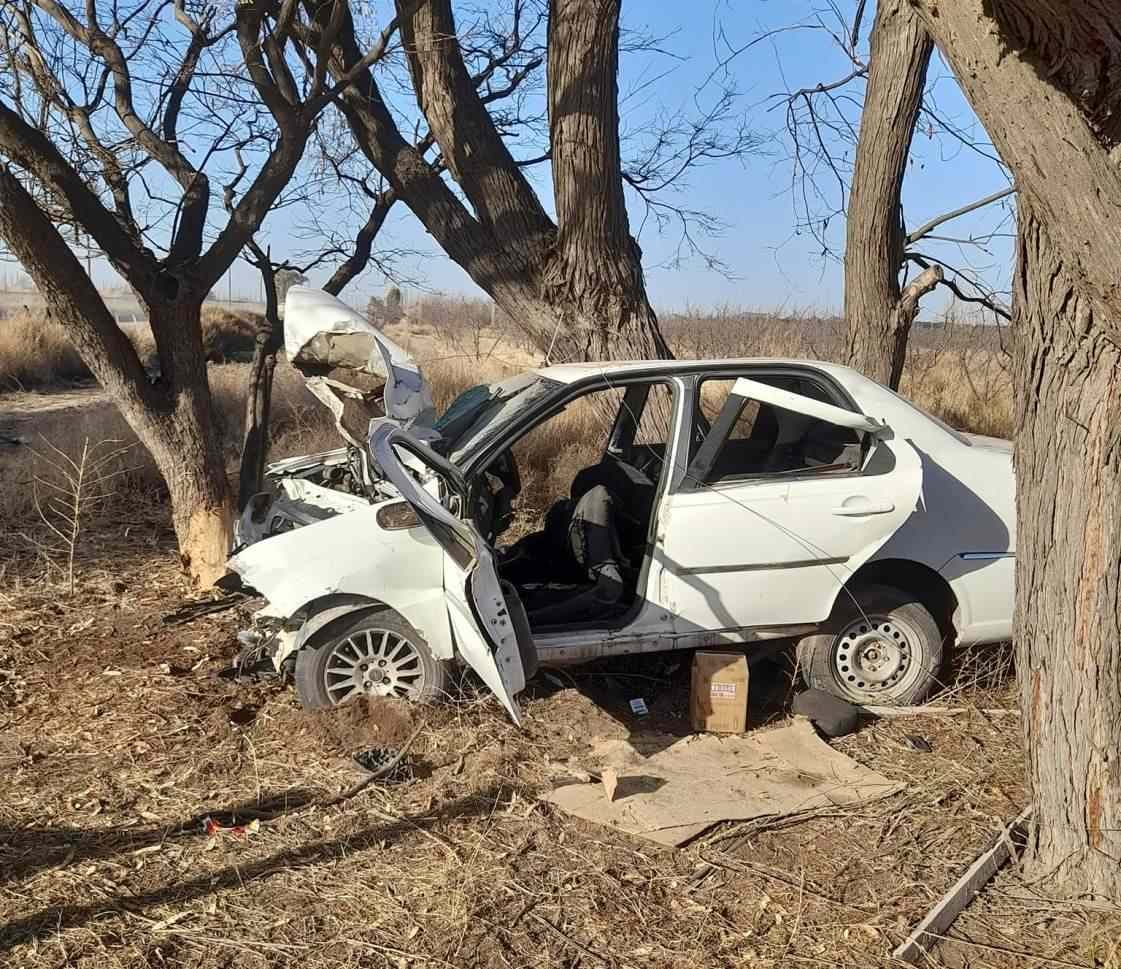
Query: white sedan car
733	503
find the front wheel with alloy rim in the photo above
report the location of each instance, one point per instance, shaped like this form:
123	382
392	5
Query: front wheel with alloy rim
883	648
368	653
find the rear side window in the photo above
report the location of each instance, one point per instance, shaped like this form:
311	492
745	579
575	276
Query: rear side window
740	438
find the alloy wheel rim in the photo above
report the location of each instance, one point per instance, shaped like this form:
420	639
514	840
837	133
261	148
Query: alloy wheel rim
373	662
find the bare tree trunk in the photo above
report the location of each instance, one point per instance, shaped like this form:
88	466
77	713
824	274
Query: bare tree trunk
593	281
879	317
1068	624
258	398
178	428
1044	80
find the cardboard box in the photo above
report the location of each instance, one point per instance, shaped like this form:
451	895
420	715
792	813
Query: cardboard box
718	699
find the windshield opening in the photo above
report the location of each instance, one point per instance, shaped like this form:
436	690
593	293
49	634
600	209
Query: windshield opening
480	412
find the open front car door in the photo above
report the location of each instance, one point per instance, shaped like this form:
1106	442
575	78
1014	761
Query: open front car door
491	630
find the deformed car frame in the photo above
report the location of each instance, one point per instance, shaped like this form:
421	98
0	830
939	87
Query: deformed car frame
898	541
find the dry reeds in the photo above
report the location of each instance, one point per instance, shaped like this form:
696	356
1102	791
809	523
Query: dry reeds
35	352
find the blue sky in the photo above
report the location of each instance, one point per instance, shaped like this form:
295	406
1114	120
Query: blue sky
770	265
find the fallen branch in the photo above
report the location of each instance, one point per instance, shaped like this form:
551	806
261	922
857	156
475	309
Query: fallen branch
932	928
928	710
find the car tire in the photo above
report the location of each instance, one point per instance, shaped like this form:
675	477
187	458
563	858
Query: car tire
368	653
885	651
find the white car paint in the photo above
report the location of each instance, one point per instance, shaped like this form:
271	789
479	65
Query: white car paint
309	313
738	561
350	555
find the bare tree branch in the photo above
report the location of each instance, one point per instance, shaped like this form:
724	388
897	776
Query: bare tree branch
927	227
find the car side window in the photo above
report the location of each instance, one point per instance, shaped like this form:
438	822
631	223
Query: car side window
750	439
657	418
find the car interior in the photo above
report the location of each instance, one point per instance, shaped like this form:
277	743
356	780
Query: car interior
581	565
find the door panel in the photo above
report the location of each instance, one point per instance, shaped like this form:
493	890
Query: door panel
482	612
776	549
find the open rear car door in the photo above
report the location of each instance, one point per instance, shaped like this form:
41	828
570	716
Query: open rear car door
490	626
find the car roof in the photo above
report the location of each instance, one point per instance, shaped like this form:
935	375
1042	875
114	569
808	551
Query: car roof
569	373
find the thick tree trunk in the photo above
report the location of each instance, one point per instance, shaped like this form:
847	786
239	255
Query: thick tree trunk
1068	619
879	318
182	436
593	281
1044	81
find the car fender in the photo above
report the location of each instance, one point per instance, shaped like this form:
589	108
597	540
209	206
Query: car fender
351	556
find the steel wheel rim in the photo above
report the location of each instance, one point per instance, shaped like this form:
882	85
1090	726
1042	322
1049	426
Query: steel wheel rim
877	655
373	662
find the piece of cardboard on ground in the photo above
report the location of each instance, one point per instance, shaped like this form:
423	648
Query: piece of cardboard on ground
675	793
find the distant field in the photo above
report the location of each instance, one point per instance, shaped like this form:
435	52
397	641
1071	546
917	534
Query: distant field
124	307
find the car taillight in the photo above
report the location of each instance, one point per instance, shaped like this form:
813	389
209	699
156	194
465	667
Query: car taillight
400	514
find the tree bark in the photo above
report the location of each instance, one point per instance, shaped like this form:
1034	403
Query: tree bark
179	432
1068	624
594	278
258	398
879	318
1044	79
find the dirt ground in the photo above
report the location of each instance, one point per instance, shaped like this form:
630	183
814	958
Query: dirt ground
118	744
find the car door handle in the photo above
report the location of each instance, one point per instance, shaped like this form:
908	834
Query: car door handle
859	506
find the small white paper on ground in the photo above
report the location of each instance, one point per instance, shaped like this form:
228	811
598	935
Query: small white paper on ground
675	793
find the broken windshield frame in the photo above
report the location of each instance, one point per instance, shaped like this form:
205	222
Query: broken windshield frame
480	413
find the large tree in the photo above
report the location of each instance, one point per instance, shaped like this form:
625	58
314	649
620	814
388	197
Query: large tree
1045	79
122	123
575	282
851	138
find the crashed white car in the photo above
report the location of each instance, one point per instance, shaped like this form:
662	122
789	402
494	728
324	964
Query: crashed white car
733	503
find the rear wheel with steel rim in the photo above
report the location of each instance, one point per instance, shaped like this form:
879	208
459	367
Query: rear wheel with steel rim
885	648
369	653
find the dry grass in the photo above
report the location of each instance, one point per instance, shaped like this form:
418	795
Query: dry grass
229	336
36	352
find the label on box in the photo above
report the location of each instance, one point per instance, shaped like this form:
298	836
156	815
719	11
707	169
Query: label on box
723	691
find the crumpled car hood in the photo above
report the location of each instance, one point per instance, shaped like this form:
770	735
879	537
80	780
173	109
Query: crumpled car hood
357	371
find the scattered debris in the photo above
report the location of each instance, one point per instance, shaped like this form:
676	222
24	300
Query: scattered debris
931	710
212	828
243	716
831	715
920	743
191	611
772	773
384	763
610	781
930	930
